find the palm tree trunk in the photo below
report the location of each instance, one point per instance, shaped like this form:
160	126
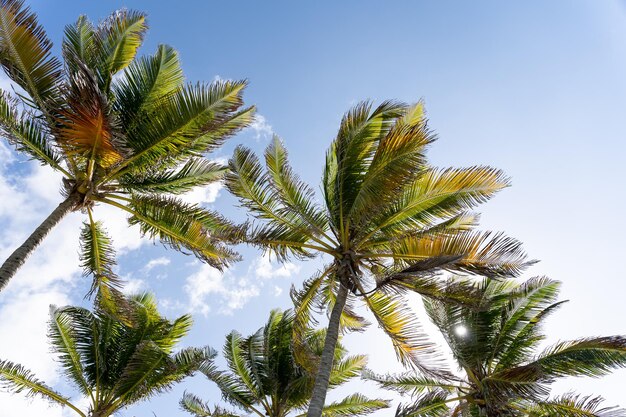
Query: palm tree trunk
326	363
17	258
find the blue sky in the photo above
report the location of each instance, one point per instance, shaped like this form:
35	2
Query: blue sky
535	88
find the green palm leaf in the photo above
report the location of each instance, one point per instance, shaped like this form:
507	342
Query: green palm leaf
185	226
16	378
25	54
194	405
195	173
120	36
354	405
571	405
98	256
27	134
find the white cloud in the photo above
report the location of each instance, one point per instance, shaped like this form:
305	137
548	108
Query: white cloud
23	328
277	291
261	128
209	287
133	286
266	268
162	261
203	195
208	282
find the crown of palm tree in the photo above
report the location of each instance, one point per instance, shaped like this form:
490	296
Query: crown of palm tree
122	130
388	221
265	379
495	344
114	361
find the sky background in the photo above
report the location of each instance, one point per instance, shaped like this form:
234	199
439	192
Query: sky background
535	88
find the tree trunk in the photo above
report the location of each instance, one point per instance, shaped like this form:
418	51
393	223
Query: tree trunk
17	258
326	363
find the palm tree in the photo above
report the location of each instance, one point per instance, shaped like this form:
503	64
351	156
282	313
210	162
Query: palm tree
114	361
388	221
265	379
122	130
495	346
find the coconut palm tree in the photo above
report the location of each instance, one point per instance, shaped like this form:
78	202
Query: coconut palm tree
495	345
122	130
387	221
264	378
113	361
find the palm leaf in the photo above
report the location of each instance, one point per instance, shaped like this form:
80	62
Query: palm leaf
296	197
354	405
97	256
350	155
194	405
439	194
410	383
121	35
196	172
193	120
17	379
25	54
430	404
571	405
86	128
185	226
593	357
396	319
64	336
482	252
147	83
80	44
27	134
398	161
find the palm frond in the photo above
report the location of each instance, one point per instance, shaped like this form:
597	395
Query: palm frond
66	337
147	83
354	405
196	172
86	127
572	405
80	44
121	35
97	256
27	134
593	357
296	197
17	379
522	313
344	369
438	195
351	154
431	404
306	301
194	405
284	232
411	383
185	226
483	253
25	55
411	344
193	120
398	161
235	357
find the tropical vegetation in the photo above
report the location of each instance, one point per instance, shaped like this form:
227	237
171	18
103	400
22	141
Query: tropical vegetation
264	377
112	360
121	130
128	131
496	347
388	221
